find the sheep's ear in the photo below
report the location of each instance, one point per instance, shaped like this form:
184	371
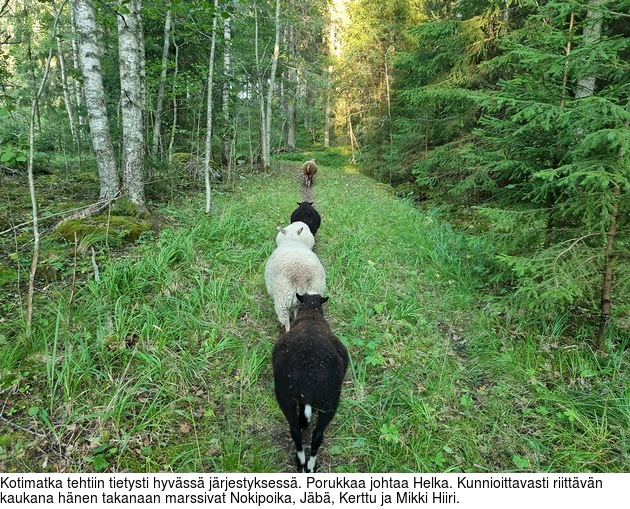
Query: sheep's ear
300	230
323	299
310	203
300	297
282	230
299	203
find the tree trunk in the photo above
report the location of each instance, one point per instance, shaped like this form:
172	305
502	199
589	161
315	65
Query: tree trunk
292	92
66	93
64	83
354	146
89	58
592	32
77	89
31	182
388	93
606	304
332	51
131	55
157	122
272	82
567	52
261	95
328	113
207	161
227	84
174	124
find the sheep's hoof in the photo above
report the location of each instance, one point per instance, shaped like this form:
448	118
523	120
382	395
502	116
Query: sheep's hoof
310	466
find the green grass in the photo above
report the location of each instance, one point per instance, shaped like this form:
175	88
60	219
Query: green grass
164	364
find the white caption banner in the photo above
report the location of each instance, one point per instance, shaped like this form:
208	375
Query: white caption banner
318	491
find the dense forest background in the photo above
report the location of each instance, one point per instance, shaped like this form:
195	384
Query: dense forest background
508	119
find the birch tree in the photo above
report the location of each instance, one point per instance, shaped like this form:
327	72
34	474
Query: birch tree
31	178
76	85
90	63
227	81
266	123
157	123
171	142
592	32
131	61
260	84
208	145
292	92
64	81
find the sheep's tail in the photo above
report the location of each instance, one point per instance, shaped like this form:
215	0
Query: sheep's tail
306	406
308	412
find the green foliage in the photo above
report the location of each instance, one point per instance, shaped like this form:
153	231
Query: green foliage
103	230
171	348
498	125
559	156
434	102
470	343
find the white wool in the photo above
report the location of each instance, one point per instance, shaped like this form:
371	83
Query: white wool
292	268
298	231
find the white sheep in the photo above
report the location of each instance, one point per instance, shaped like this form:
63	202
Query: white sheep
291	269
296	231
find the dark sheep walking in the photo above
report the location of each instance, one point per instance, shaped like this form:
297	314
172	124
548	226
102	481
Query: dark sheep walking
309	365
306	213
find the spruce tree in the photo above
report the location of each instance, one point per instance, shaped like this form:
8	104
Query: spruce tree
553	161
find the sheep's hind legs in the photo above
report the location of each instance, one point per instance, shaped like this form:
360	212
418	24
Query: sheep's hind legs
323	420
296	434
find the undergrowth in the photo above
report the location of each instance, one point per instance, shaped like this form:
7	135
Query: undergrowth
164	363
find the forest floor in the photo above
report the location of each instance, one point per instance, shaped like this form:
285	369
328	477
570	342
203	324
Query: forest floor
163	364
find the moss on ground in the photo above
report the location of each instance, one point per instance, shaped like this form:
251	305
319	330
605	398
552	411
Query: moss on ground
112	229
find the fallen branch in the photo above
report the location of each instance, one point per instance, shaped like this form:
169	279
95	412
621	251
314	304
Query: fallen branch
27	223
74	275
97	276
17	426
95	208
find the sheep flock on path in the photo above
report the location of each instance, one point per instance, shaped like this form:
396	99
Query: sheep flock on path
309	361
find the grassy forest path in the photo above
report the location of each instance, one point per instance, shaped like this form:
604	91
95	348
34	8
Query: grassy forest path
166	364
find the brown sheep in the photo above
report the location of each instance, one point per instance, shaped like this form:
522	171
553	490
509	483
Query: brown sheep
309	169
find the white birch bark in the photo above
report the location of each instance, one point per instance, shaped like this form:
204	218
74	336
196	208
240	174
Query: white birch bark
227	80
592	32
291	96
131	56
329	100
171	143
89	59
261	94
157	124
76	86
207	160
31	182
66	92
328	113
270	90
64	81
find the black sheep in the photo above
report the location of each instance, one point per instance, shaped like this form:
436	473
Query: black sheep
306	213
309	365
